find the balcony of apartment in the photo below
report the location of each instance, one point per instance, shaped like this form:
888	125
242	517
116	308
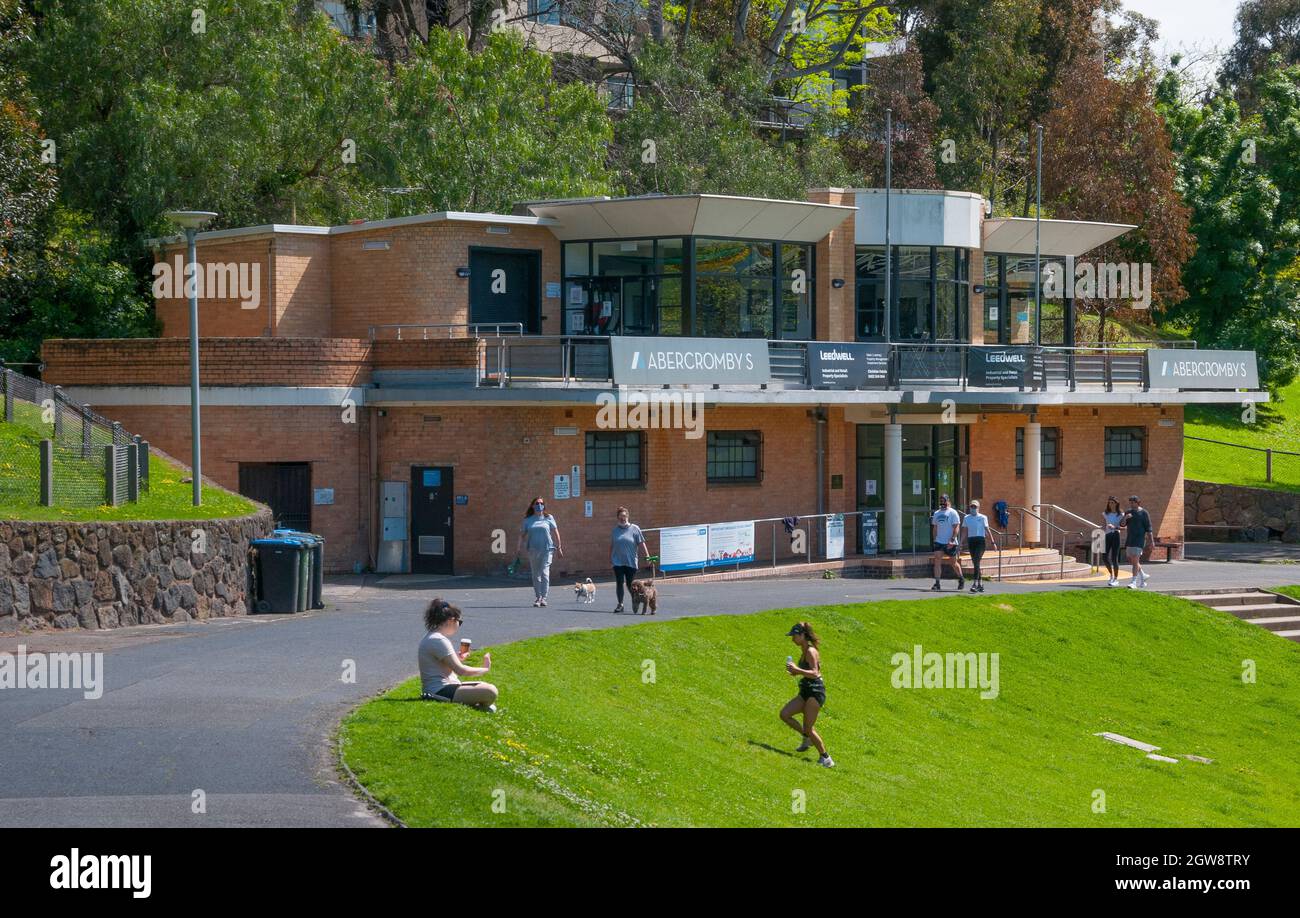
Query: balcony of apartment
501	363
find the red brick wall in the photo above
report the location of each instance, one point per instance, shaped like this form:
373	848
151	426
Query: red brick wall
501	474
414	281
338	454
1083	484
836	258
225	317
302	285
431	354
222	362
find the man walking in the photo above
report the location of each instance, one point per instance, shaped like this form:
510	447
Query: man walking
944	527
1137	525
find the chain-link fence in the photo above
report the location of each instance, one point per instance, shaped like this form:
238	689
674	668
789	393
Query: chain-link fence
81	460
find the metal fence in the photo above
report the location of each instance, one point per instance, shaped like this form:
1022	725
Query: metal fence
83	460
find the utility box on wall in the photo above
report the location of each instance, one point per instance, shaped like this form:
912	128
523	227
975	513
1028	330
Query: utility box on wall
394	530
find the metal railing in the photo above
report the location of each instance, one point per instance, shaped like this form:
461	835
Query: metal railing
1085	535
1060	531
447	331
1268	451
514	358
85	460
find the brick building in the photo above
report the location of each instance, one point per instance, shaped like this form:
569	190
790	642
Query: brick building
406	386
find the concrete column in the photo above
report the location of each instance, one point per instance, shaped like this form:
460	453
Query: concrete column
1033	477
893	487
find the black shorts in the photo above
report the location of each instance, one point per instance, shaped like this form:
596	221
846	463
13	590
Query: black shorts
813	688
949	550
446	693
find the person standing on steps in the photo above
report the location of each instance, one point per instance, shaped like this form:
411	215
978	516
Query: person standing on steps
541	538
1137	527
1112	519
975	527
944	527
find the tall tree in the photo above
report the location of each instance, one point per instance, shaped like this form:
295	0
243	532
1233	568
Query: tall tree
897	84
1264	28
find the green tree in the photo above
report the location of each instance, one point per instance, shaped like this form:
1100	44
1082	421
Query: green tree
1241	178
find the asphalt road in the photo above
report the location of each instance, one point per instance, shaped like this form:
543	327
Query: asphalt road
244	709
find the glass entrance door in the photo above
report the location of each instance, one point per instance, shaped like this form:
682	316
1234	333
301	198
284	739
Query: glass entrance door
933	455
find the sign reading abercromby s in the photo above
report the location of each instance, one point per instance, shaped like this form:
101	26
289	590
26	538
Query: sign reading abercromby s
693	361
1168	368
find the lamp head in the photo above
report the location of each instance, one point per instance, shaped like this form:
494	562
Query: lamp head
190	219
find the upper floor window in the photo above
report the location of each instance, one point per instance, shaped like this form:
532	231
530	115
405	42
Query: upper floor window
734	456
546	12
929	293
1049	450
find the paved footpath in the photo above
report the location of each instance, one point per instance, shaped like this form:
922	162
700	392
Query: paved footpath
244	708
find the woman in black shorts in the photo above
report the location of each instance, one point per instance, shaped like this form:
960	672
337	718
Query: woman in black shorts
812	691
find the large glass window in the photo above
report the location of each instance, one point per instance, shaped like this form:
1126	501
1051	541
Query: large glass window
929	289
623	287
734	288
1009	286
994	311
614	458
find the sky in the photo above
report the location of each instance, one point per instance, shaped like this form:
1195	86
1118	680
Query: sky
1190	23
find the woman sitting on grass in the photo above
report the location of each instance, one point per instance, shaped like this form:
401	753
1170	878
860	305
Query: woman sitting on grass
441	667
812	691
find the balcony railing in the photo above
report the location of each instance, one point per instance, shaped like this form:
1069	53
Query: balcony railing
539	360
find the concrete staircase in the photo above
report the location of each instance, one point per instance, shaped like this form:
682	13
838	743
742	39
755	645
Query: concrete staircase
1024	564
1271	611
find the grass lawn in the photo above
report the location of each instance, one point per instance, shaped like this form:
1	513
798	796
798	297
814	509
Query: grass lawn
582	740
1277	426
167	498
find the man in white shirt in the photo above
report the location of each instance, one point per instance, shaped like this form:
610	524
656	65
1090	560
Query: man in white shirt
945	526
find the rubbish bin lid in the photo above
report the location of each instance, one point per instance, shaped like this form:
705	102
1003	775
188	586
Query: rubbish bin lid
296	543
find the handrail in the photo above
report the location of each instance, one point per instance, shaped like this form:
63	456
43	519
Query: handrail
1056	507
500	328
1258	449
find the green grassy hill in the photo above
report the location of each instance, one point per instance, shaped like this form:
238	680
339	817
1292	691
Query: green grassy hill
167	498
1277	426
582	740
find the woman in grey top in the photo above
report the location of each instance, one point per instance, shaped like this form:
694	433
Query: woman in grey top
540	537
441	666
624	544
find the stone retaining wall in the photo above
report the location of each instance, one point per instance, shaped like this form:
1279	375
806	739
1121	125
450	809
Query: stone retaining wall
106	575
1264	514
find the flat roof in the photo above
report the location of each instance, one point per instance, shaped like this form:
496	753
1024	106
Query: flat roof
692	215
442	216
1015	235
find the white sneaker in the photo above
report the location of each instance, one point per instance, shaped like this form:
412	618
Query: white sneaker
1135	584
826	762
1145	578
1112	582
492	709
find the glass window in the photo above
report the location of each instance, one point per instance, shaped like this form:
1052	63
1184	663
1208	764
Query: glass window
992	299
546	12
1049	449
626	256
1125	449
577	259
734	455
614	458
670	306
871	261
734	288
672	256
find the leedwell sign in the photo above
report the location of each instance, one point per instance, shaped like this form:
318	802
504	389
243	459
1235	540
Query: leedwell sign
849	366
694	361
1170	368
1004	367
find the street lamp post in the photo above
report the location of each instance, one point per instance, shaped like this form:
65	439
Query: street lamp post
191	221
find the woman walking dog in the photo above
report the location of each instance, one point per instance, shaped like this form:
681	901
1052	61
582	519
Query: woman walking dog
812	691
626	547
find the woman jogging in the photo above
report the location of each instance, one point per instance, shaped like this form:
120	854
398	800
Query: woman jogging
625	544
975	526
540	537
441	666
812	691
1112	518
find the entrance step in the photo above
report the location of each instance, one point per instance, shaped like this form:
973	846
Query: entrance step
1273	612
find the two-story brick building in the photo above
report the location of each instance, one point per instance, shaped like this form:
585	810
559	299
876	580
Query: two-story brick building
406	386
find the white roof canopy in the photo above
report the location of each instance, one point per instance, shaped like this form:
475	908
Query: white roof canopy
692	215
1015	236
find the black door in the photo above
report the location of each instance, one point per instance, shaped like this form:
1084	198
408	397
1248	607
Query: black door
503	287
432	512
285	487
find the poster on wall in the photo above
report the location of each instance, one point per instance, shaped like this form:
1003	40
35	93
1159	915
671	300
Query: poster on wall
835	536
870	537
682	547
731	543
575	485
561	487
